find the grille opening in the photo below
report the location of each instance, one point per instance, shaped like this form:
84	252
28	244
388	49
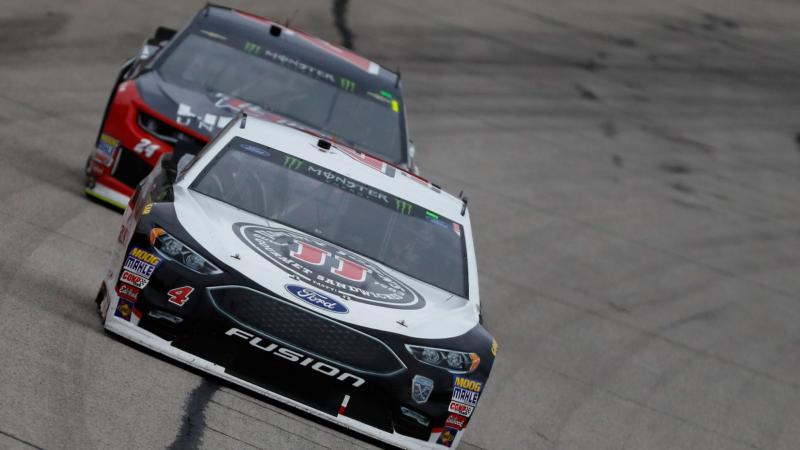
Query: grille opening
305	330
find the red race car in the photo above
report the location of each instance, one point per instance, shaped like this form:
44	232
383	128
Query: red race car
185	86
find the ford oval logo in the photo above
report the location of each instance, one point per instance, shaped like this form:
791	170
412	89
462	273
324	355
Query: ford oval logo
317	299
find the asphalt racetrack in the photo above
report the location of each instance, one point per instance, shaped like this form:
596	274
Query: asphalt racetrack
633	172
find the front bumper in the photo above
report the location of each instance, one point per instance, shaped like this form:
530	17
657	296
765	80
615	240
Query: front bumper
149	340
212	341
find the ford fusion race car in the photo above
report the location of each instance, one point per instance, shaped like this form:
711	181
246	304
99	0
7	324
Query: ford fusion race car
185	86
309	273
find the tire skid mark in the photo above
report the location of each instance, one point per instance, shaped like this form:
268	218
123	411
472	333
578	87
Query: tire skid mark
193	423
340	20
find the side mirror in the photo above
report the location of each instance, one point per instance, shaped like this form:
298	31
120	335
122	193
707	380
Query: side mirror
182	154
169	166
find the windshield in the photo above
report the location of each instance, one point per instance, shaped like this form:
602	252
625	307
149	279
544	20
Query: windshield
340	210
369	121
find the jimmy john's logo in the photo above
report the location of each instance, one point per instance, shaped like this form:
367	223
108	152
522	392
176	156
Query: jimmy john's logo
328	267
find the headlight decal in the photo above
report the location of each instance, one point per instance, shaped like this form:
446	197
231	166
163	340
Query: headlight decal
450	360
173	249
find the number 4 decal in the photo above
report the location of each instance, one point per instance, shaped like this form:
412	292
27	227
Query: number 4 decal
180	295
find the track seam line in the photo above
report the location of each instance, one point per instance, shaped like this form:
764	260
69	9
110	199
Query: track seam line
267	423
23	441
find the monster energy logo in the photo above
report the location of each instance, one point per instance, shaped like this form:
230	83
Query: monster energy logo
292	163
250	47
403	206
347	85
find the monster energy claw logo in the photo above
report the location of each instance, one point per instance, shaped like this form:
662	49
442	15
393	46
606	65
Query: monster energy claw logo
292	163
403	206
250	47
347	85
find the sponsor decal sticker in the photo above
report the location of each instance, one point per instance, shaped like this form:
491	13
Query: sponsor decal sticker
456	421
460	408
252	48
421	388
292	163
447	437
466	383
142	263
106	150
133	279
145	256
494	348
139	267
403	206
179	296
347	85
327	267
128	292
124	309
465	396
147	208
317	299
300	66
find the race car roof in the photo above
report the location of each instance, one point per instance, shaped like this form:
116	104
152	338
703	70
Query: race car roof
297	44
351	163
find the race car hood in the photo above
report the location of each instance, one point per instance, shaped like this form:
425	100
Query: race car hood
204	112
327	279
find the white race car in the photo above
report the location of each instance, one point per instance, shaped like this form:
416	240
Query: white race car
312	274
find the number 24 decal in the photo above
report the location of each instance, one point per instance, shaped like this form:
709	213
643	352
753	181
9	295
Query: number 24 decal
147	147
180	296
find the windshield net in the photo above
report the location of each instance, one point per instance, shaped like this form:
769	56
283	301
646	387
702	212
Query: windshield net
336	106
340	210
